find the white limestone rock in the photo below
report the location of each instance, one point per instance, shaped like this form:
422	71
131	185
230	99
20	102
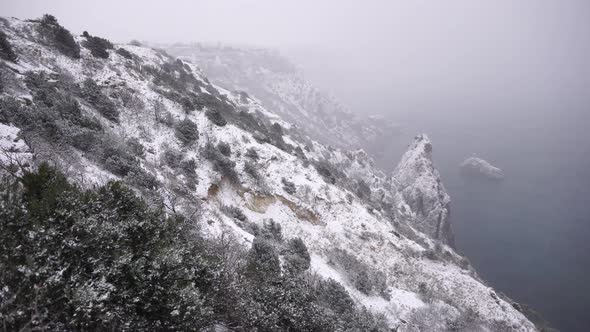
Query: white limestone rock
474	166
422	189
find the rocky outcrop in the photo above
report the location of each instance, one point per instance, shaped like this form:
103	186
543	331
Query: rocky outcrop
478	167
422	189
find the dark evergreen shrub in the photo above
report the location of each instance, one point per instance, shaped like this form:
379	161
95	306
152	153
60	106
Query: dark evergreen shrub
298	151
117	160
364	278
221	163
96	260
215	117
124	53
187	104
234	212
260	137
252	154
187	132
189	167
86	140
296	256
263	261
173	158
325	170
6	51
363	191
333	295
92	93
224	148
98	46
162	115
271	230
140	178
59	37
136	147
55	115
10	110
288	186
252	170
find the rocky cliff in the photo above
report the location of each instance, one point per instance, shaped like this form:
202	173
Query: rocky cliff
421	187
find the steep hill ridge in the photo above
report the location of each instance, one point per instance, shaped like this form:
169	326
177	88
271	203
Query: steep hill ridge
281	86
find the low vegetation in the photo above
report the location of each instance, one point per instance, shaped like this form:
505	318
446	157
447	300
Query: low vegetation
102	259
187	132
98	46
367	280
93	94
58	37
124	53
221	164
216	117
6	51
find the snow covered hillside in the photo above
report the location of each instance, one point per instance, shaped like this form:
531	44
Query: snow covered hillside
281	87
136	114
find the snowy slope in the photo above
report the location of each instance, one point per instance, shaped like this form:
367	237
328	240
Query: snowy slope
281	86
385	229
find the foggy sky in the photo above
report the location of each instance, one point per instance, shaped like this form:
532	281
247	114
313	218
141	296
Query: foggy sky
413	53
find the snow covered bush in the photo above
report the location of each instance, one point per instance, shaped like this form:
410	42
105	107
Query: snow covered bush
333	295
233	212
124	53
173	157
251	169
92	93
368	280
252	154
117	159
221	163
363	191
54	115
102	259
224	148
186	131
58	37
216	117
6	51
98	46
296	256
326	170
288	186
95	260
136	147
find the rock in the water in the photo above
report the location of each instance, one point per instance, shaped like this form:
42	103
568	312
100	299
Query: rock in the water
474	166
423	191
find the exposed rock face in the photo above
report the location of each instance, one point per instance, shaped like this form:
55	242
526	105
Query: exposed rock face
422	189
474	166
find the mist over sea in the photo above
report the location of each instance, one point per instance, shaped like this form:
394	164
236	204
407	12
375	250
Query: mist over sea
529	235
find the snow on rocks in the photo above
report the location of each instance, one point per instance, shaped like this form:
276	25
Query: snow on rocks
474	166
13	150
422	189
